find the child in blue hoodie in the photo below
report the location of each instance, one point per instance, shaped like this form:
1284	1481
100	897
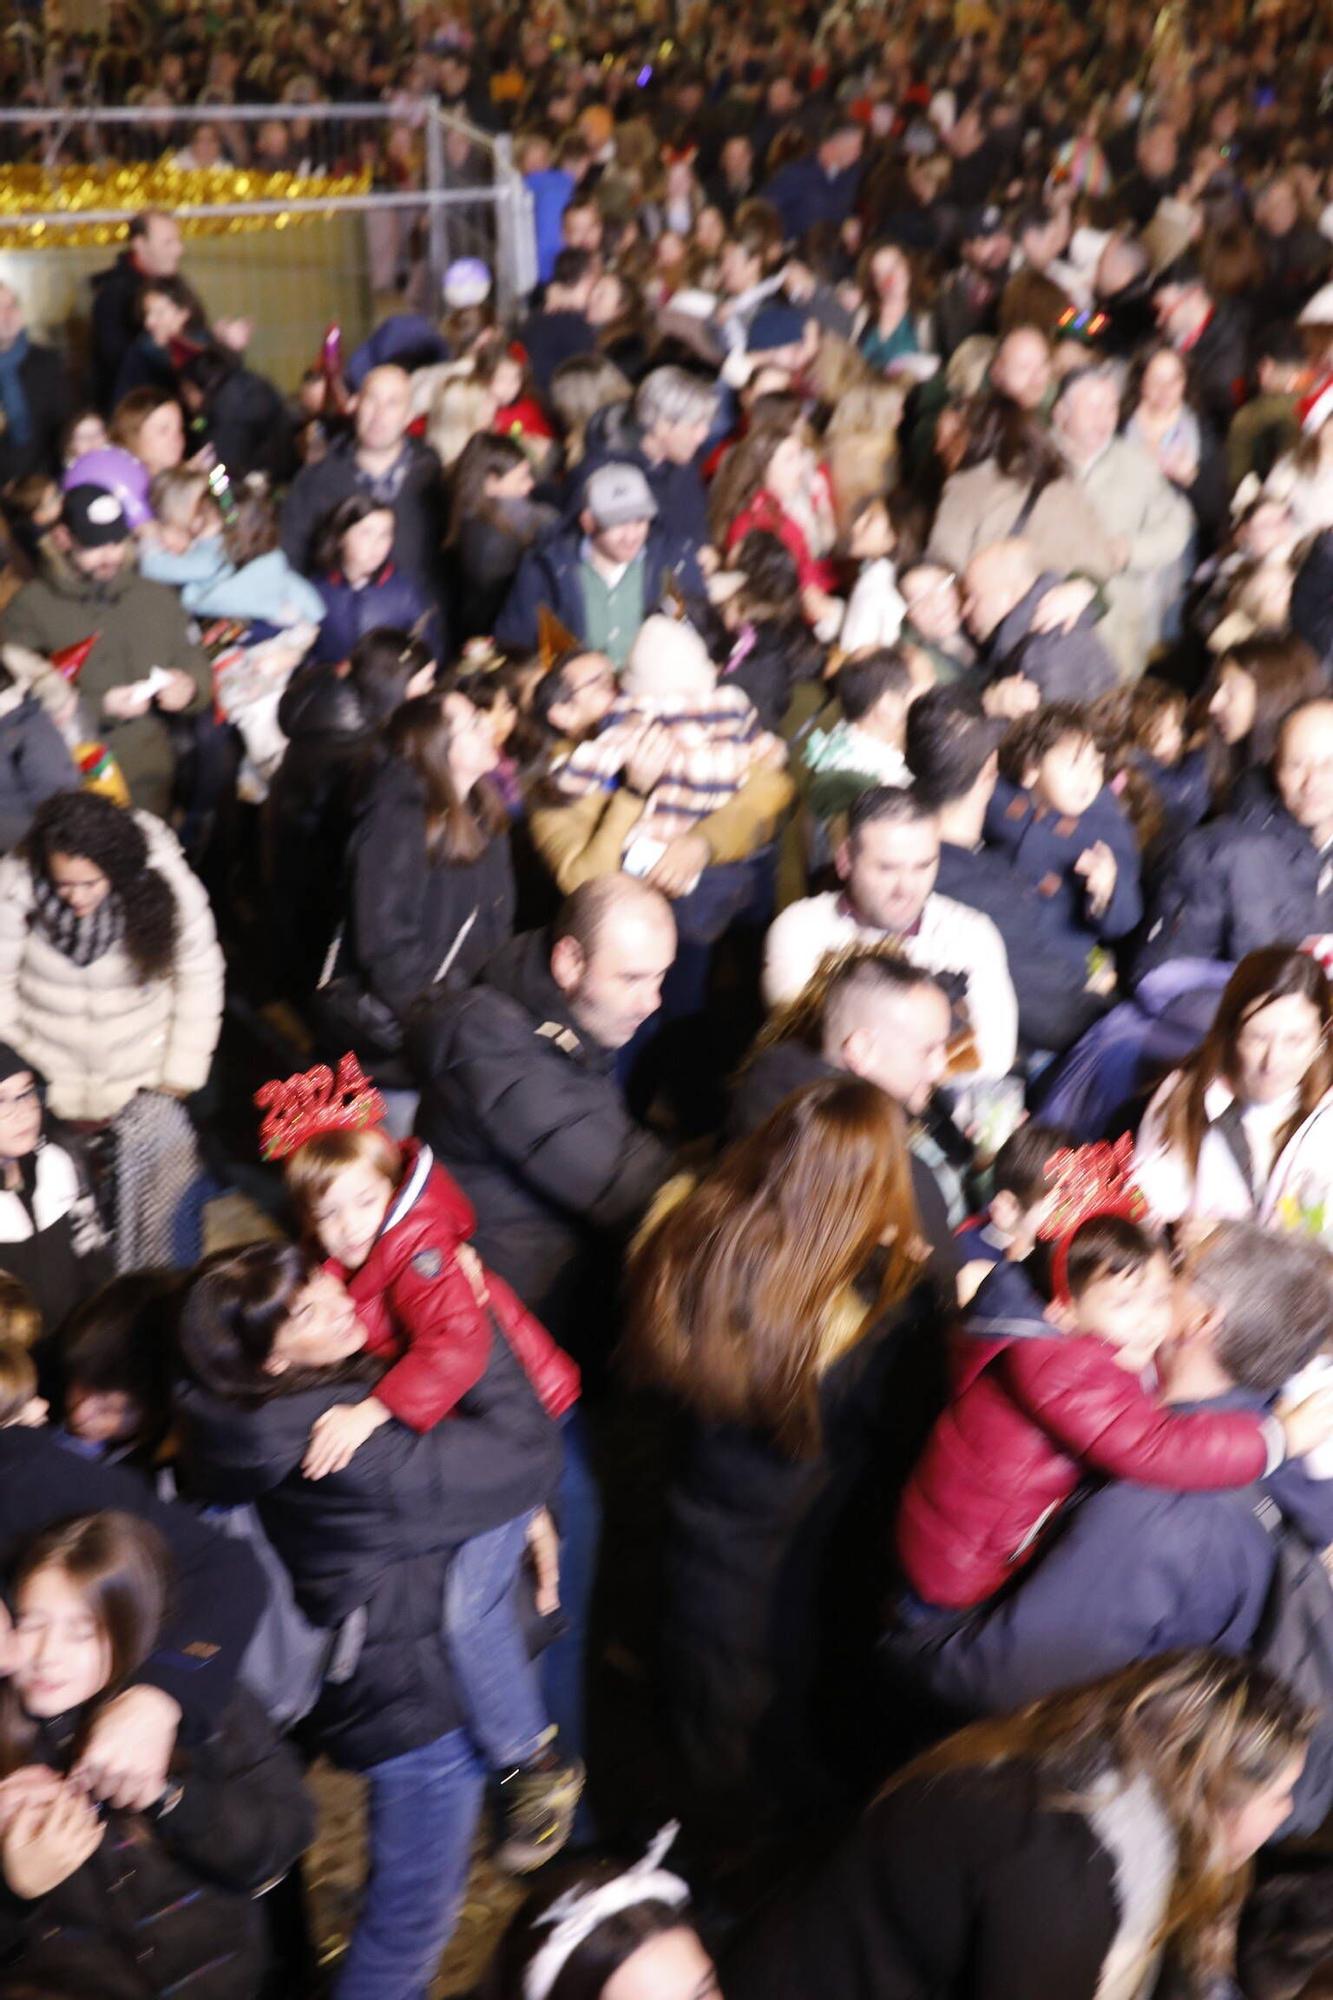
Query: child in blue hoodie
1065	831
234	569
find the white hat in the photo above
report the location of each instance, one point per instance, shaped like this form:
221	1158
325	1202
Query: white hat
467	282
667	658
1318	311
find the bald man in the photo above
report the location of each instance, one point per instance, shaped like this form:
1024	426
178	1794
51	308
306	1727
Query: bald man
520	1101
1263	874
381	461
1003	587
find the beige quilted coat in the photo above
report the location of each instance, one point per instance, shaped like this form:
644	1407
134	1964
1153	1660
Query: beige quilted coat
99	1033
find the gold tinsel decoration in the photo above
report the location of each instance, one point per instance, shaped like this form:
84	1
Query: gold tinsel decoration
71	190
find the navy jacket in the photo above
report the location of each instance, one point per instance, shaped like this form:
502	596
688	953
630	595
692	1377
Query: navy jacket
1136	1572
391	599
682	502
1053	1008
1066	666
1044	849
803	195
1251	879
418	507
549	575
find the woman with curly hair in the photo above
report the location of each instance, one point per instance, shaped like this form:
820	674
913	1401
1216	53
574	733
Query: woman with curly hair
111	987
110	972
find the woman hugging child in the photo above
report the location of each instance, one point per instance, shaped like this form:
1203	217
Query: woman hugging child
394	1228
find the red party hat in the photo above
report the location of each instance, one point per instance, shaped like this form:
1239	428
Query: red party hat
1087	1181
306	1106
70	660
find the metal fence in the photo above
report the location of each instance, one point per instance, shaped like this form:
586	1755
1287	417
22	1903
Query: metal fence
455	193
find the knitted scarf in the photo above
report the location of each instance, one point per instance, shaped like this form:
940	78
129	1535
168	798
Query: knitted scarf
13	399
82	940
156	1164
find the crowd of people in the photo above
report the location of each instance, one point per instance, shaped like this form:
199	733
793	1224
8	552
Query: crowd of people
732	872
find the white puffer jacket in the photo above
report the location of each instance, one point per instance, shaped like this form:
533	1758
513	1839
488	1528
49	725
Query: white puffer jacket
99	1033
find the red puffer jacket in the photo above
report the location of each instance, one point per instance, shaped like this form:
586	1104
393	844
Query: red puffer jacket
415	1301
1033	1410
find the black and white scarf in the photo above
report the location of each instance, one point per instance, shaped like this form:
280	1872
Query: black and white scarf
82	940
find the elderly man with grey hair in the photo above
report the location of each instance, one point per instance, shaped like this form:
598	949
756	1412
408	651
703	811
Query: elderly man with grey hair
1149	524
664	433
1133	1571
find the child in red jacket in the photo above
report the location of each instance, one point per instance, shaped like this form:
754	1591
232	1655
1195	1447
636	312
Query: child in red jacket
394	1227
1047	1393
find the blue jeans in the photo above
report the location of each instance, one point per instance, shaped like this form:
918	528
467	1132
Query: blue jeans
564	1663
424	1808
498	1683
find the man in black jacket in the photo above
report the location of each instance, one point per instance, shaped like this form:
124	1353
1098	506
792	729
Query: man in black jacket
951	753
520	1102
34	397
1263	874
1003	588
889	1023
155	250
387	465
217	1598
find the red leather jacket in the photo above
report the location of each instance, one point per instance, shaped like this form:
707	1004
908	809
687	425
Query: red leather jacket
417	1305
1032	1410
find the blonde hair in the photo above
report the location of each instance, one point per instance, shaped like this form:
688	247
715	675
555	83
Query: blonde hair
582	385
176	497
20	1318
460	408
1207	1732
312	1169
18	1380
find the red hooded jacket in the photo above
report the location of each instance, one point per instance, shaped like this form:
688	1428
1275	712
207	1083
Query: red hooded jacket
1032	1411
417	1305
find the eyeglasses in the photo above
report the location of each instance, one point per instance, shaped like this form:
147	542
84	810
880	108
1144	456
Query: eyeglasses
8	1105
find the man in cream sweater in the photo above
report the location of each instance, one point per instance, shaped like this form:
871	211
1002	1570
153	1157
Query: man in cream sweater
887	866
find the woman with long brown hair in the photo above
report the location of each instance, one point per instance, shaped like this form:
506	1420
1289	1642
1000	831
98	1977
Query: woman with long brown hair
90	1597
1252	691
1244	1127
1068	1850
776	1305
430	882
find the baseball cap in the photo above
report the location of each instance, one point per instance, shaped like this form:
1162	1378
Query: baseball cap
94	517
618	494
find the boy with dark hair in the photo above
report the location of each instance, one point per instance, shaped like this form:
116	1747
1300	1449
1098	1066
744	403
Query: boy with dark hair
874	692
1051	1389
1063	830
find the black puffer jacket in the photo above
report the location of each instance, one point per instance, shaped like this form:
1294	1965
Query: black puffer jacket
408	915
525	1112
333	748
168	1905
34	763
378	1536
1252	879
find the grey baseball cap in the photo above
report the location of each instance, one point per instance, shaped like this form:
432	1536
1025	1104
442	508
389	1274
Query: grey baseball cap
616	494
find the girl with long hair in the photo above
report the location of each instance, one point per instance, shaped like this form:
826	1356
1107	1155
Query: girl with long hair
90	1600
1070	1849
360	583
1252	691
1243	1127
1014	481
777	1308
430	891
493	519
771	482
